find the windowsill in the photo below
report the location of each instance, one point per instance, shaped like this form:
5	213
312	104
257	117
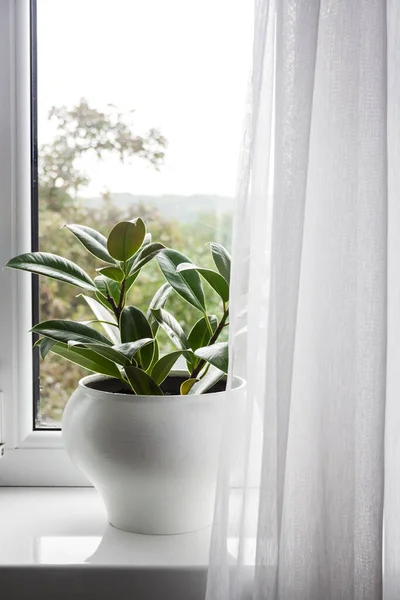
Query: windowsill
60	541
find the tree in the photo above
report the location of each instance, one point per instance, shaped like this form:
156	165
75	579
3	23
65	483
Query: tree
83	130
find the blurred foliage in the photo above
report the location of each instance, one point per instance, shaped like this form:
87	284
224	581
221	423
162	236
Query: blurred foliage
83	130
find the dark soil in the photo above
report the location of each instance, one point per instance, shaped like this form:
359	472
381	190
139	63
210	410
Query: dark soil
170	386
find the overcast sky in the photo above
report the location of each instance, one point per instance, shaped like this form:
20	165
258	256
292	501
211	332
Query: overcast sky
181	64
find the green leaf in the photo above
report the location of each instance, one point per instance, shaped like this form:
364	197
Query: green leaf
187	385
105	285
104	315
188	283
103	300
147	239
51	265
174	332
217	282
222	260
142	384
156	356
92	240
126	238
200	334
134	326
45	346
145	255
172	328
146	242
70	331
96	321
205	383
88	359
216	355
130	281
158	301
129	349
114	273
106	351
163	366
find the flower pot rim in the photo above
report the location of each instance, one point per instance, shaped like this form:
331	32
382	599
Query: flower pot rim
240	384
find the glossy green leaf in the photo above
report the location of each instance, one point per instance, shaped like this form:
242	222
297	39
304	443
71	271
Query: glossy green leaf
187	386
216	355
222	260
114	273
105	286
216	281
92	240
146	242
145	255
129	349
200	335
103	300
70	331
51	265
126	238
130	281
163	366
156	356
101	285
142	383
134	326
88	359
106	351
188	283
147	239
205	383
158	301
97	321
104	316
45	346
172	328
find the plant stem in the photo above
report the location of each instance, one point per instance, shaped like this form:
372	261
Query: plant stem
220	327
212	341
121	300
113	305
208	325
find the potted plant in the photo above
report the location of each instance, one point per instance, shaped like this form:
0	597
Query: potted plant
147	436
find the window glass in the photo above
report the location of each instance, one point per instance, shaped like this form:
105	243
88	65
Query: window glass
140	113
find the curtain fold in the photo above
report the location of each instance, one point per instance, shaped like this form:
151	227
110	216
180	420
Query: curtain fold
392	423
299	503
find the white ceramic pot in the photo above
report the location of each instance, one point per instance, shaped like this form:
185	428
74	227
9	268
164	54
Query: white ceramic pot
153	459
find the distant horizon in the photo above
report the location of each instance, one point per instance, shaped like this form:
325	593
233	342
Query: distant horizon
184	207
161	195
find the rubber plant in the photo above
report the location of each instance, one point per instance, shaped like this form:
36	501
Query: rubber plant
127	346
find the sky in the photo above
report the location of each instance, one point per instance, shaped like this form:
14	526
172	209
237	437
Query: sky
183	65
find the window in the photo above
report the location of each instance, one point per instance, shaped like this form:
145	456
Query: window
139	113
110	110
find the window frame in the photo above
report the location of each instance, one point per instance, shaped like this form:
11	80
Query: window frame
32	457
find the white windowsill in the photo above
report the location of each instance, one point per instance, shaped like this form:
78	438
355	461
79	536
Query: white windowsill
56	542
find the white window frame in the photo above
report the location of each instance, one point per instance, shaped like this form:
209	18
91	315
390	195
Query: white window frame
31	457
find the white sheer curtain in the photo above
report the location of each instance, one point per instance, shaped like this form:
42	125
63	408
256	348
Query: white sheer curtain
299	505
